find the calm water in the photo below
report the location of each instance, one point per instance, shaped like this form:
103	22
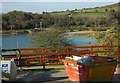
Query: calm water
16	41
78	40
24	40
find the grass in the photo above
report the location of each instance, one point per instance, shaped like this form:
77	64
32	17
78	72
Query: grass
89	12
41	67
60	13
92	15
101	9
84	14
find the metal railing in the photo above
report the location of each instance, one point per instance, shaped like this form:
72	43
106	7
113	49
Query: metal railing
54	56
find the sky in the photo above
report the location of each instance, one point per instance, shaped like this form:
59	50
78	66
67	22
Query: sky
59	0
39	7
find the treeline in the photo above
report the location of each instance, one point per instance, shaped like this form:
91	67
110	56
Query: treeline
26	20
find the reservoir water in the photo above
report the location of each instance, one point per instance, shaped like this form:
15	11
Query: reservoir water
80	40
16	41
25	41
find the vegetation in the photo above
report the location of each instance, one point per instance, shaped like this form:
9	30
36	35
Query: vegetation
109	37
96	19
40	67
50	38
87	17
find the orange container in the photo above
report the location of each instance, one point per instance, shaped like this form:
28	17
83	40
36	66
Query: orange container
95	72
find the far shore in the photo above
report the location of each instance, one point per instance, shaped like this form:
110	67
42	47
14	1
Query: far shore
88	33
14	31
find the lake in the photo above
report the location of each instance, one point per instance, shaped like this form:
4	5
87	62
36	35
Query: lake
25	41
80	40
16	41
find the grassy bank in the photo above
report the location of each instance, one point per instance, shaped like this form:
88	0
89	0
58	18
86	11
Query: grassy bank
41	67
15	31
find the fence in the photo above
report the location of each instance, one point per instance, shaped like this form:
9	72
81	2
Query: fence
54	56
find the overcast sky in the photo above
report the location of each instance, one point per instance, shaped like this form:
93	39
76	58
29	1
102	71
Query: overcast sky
38	6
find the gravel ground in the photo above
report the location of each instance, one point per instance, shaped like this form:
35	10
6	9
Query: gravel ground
43	76
52	76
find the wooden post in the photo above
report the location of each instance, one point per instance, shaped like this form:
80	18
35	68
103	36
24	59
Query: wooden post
119	53
43	67
19	59
68	50
43	61
119	31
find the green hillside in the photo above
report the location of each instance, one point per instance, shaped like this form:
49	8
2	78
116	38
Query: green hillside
100	9
90	12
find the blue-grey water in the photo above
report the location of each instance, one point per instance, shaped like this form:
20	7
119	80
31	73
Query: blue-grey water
80	40
16	41
24	40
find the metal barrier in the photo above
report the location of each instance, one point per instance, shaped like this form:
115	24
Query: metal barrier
54	56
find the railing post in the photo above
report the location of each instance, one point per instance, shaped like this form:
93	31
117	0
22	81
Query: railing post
43	67
19	58
67	50
118	26
43	62
119	53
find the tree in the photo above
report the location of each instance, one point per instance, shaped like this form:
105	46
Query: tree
106	10
50	38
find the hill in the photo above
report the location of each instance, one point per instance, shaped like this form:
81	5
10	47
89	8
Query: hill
90	12
97	18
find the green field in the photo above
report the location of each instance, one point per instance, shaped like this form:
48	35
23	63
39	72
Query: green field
89	12
101	9
92	15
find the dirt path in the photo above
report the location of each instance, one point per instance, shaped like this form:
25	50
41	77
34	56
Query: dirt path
52	76
43	76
